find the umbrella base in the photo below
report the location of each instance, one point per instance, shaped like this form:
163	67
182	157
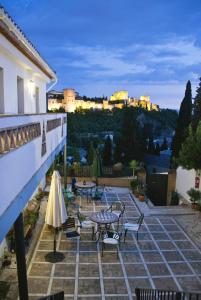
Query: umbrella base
54	257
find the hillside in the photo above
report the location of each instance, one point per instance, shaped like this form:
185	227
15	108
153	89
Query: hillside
154	123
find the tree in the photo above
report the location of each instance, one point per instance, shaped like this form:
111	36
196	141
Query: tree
107	152
90	155
164	145
134	165
190	154
157	149
197	108
151	147
183	121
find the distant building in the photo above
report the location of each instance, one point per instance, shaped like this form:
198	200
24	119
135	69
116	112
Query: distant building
70	100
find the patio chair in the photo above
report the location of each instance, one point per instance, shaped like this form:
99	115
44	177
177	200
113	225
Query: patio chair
97	193
68	195
111	237
86	223
135	227
118	209
70	228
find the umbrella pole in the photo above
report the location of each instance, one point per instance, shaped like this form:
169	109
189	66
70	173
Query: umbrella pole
55	242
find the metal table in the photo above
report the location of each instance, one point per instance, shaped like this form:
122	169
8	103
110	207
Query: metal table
88	185
103	218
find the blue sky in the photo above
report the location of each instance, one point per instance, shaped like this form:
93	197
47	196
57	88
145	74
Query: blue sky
99	46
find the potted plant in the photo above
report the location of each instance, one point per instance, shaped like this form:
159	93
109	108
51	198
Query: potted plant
141	195
195	196
134	184
174	198
134	165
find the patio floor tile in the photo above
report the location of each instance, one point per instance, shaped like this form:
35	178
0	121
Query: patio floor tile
158	269
89	286
112	270
88	257
140	283
68	245
192	255
190	283
153	256
66	285
184	245
64	270
131	257
117	286
165	283
88	270
166	245
38	285
133	270
196	267
160	236
180	268
172	256
42	269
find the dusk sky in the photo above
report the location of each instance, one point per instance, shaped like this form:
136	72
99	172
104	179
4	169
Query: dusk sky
100	46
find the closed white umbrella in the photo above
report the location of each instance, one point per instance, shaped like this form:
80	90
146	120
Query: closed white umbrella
56	213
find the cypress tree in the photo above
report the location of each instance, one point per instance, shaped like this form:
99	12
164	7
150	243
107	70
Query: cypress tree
190	154
90	155
164	145
183	121
197	108
107	152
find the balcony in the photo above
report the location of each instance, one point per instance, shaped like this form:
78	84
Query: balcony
28	145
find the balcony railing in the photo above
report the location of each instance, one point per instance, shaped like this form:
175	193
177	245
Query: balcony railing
11	138
149	294
14	135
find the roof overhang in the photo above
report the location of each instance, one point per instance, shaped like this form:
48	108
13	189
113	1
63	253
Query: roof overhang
16	37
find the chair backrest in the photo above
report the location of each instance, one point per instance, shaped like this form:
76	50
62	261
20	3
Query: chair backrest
69	225
118	206
140	220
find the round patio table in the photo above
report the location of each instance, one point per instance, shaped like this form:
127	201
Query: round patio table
103	218
88	185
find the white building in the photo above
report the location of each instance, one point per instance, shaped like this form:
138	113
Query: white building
29	137
185	180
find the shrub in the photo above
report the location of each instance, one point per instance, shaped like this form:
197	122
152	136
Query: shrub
175	198
134	184
194	194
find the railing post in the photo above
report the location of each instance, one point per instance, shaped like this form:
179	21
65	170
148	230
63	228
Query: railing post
137	293
20	257
65	171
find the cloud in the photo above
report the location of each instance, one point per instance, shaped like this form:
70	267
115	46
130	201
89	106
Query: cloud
163	59
105	62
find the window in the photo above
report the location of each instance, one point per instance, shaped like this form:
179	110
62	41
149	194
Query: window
2	108
37	100
20	95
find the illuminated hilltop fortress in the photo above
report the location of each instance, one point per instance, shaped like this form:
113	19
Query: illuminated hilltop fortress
70	100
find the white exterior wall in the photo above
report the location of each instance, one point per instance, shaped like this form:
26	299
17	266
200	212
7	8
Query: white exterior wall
19	165
185	180
14	64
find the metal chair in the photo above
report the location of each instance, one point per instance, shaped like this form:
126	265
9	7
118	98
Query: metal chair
97	193
70	228
86	223
135	227
112	238
118	209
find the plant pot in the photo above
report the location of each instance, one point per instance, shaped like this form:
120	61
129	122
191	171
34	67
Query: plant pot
194	205
141	197
136	194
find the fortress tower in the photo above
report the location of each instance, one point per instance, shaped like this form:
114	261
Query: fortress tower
69	102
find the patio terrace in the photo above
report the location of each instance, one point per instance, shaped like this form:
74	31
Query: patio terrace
164	258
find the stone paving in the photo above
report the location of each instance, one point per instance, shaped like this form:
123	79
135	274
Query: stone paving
163	258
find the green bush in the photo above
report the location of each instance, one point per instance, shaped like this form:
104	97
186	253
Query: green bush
134	184
175	198
194	194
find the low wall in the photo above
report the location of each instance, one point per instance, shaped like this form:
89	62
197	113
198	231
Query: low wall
118	182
